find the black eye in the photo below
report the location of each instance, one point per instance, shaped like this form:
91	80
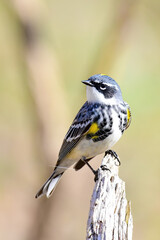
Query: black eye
92	81
103	87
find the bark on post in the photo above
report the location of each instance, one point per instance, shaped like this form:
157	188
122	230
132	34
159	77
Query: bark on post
110	213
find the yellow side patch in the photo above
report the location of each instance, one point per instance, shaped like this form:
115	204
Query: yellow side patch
93	128
103	74
128	117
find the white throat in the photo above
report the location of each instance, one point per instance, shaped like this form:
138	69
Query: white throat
94	96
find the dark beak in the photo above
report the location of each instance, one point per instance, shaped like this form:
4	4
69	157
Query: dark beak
87	82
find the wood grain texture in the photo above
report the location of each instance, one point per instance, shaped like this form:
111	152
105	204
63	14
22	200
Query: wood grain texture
110	213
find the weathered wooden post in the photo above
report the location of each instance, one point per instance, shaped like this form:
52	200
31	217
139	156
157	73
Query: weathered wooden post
110	213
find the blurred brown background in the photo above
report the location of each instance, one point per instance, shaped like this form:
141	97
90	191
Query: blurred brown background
46	49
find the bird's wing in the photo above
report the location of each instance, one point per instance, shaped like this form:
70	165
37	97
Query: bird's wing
79	127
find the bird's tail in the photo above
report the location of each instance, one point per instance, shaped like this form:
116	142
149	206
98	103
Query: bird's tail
49	186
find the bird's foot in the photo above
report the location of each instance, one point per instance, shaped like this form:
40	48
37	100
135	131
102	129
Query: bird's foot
96	176
113	154
104	168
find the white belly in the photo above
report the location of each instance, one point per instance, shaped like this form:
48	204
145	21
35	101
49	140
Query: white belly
88	148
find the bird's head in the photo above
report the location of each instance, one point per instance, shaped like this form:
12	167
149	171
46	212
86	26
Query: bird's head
103	89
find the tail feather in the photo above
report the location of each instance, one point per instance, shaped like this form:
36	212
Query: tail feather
52	185
49	186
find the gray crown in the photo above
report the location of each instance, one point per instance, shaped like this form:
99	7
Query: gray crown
105	85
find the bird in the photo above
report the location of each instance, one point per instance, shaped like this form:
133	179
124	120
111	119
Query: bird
98	125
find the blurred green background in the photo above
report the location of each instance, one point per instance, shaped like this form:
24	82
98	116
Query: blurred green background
46	49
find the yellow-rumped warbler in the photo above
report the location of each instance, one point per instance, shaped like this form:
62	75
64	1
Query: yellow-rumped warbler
96	128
